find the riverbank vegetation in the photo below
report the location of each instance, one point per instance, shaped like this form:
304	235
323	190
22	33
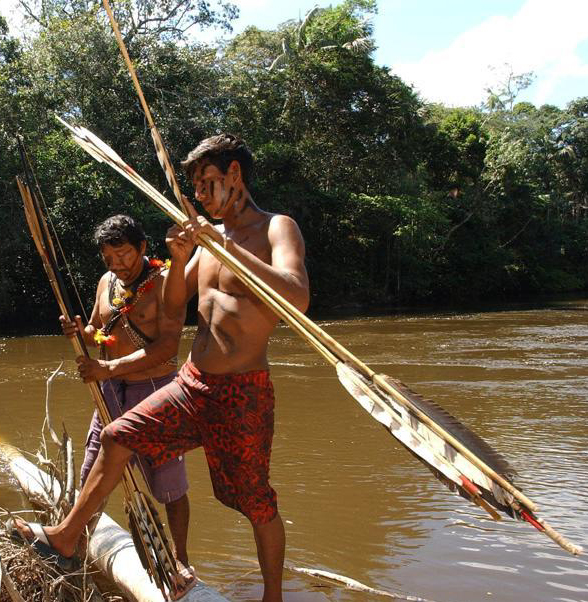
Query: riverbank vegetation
400	201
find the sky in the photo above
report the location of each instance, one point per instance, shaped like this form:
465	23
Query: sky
451	51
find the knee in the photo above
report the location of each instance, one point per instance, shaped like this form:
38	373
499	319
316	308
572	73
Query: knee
107	436
109	444
259	508
261	518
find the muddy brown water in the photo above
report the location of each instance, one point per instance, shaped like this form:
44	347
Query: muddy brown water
353	501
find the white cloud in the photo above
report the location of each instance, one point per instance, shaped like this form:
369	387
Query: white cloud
250	4
14	14
542	37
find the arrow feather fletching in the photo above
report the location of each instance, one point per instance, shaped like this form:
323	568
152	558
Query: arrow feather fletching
446	462
461	432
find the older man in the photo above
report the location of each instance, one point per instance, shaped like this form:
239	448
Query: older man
138	347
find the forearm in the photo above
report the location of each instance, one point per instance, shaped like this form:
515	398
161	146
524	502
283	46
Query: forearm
150	356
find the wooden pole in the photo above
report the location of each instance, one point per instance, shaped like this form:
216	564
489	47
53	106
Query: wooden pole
162	154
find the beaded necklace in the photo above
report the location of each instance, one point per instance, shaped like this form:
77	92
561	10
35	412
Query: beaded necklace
124	299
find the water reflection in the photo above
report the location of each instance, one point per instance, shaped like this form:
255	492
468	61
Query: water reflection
353	500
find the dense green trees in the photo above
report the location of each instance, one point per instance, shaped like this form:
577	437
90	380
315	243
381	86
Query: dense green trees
399	201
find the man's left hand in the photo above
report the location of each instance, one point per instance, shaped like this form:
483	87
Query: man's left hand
91	370
199	224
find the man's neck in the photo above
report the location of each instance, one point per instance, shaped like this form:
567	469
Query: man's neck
242	214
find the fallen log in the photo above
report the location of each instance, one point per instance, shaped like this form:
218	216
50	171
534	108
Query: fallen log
111	550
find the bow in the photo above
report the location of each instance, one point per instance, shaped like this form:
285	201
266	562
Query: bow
150	539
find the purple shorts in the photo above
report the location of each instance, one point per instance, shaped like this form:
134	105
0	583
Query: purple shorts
167	482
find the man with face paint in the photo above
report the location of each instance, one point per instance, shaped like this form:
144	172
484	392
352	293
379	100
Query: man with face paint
222	398
225	382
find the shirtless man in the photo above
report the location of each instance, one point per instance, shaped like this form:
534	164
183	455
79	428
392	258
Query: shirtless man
222	398
138	347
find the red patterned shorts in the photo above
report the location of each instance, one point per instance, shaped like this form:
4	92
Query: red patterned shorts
230	415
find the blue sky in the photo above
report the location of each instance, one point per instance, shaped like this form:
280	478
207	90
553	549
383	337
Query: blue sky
452	50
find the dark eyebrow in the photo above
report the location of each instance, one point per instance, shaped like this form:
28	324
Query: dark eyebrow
199	171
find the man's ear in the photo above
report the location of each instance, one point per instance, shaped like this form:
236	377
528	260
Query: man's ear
143	247
235	171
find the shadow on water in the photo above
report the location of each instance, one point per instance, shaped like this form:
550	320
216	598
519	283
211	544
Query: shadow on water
575	301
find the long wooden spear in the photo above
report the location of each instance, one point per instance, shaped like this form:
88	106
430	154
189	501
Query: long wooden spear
160	149
150	538
456	456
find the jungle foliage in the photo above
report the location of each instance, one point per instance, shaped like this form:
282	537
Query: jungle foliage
400	201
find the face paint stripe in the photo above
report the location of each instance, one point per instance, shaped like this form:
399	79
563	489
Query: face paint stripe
224	198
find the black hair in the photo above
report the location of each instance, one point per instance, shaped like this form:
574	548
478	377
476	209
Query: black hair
221	151
118	230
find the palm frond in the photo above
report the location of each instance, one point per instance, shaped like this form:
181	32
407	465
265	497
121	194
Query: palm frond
358	45
302	28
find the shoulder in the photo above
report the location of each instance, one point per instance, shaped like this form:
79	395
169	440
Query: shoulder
282	226
104	281
158	279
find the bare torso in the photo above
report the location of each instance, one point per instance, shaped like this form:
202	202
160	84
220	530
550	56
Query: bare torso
144	315
233	324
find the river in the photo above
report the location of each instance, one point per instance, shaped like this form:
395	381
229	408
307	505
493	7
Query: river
354	502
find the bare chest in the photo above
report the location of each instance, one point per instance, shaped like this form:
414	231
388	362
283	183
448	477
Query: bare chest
142	312
213	276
